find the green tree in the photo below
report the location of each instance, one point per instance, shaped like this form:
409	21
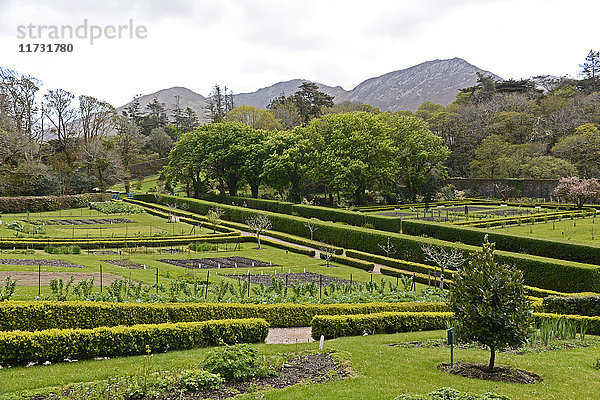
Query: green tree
489	302
291	158
418	154
254	117
353	152
582	149
186	164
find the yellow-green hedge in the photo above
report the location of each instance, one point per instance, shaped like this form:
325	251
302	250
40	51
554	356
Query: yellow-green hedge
386	322
41	315
20	347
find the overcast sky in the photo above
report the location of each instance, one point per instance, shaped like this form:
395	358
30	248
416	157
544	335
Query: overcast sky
249	44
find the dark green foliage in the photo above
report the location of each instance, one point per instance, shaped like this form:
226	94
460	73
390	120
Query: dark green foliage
234	363
574	305
385	322
74	249
489	302
48	203
41	315
55	345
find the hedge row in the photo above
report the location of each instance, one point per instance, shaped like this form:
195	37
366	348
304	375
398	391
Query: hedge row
560	249
387	322
425	273
57	344
285	246
544	273
48	203
41	315
333	326
585	304
563	250
352	262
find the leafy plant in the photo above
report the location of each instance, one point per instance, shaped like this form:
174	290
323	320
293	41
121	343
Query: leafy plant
237	363
59	289
9	288
83	288
199	379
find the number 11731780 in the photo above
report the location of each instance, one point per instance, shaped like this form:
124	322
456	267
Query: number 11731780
45	48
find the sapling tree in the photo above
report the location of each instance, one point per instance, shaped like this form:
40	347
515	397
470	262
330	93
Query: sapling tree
489	303
259	224
213	216
443	258
312	227
388	248
327	252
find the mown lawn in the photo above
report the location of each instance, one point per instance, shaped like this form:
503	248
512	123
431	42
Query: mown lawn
383	371
582	230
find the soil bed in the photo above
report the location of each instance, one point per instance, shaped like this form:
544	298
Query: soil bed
499	373
218	262
43	263
293	278
316	368
101	252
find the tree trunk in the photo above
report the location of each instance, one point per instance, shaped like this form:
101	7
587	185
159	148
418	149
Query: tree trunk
254	190
258	238
492	358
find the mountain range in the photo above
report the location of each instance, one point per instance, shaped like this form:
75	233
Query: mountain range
437	81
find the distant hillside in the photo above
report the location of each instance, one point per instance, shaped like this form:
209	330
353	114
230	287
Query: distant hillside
188	98
438	81
262	97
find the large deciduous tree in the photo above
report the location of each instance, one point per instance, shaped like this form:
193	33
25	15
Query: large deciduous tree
578	190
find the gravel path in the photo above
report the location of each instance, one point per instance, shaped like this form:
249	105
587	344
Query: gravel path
289	335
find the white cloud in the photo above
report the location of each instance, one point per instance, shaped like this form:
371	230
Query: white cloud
254	43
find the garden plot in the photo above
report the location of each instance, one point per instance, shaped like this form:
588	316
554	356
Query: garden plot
218	262
292	278
32	278
95	221
43	263
457	213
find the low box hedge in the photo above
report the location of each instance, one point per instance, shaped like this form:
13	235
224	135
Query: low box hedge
53	345
333	326
352	262
540	272
41	315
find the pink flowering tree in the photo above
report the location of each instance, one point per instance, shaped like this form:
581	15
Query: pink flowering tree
578	190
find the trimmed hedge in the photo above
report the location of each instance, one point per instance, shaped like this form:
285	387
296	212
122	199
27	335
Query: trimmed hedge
352	262
387	322
57	344
285	246
544	273
332	326
48	203
588	305
41	315
425	273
